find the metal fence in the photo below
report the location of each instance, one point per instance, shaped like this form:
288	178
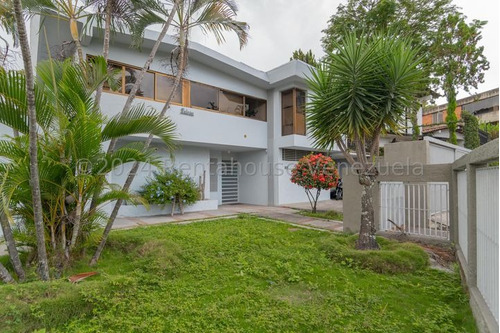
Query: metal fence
487	236
475	230
415	208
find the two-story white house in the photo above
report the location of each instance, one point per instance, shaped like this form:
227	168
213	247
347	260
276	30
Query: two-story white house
241	127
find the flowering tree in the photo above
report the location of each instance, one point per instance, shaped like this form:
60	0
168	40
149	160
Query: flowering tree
315	172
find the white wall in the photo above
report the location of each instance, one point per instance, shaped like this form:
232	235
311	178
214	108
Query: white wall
253	177
203	127
441	152
289	192
190	160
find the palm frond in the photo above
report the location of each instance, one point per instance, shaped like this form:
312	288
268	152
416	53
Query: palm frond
140	120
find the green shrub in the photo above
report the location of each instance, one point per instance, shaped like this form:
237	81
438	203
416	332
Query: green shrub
170	185
392	258
471	130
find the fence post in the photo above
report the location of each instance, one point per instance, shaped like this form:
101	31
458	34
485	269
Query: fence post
471	225
453	208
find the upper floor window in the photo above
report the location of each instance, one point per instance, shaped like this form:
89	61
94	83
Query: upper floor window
204	96
164	86
212	98
293	116
154	85
255	108
158	86
437	117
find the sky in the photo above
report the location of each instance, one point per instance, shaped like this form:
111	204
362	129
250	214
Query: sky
278	27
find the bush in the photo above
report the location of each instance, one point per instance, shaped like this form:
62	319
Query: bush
170	187
392	258
471	130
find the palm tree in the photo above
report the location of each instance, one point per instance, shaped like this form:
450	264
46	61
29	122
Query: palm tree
72	136
33	147
360	91
125	15
211	16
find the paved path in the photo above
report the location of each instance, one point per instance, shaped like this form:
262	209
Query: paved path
287	214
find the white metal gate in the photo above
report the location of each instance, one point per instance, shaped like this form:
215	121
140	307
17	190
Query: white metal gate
415	208
229	181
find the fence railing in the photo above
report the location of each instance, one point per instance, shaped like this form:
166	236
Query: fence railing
415	208
475	193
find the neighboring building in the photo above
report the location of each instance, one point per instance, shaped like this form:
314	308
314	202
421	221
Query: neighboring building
483	105
241	127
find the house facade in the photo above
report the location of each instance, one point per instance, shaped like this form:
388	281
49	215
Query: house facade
239	130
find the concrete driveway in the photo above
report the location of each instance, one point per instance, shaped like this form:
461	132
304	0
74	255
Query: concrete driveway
325	205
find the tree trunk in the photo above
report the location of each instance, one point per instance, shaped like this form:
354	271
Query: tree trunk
73	26
34	176
78	220
135	167
5	275
11	247
367	239
173	207
105	47
181	206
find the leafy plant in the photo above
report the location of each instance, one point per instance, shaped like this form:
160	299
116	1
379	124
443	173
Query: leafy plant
471	130
72	161
315	172
170	187
491	129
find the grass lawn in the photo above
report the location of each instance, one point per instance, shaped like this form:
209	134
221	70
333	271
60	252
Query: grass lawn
242	275
329	214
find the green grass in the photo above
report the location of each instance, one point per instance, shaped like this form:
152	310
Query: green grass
242	275
328	215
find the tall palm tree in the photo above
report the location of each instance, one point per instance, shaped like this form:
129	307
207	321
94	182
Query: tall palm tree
33	147
359	92
212	17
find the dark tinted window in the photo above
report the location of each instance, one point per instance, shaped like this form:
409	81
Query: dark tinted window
204	96
164	85
147	87
255	108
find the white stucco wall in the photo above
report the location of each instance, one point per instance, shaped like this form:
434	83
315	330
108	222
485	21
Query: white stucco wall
289	192
190	160
254	175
